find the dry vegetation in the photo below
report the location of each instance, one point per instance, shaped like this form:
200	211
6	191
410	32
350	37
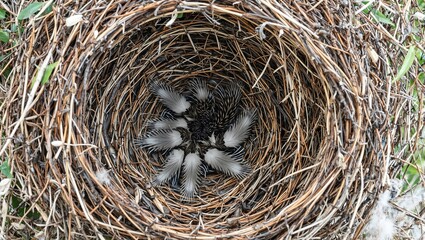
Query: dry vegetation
339	116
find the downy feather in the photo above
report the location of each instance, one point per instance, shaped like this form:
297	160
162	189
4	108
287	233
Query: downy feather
199	89
170	98
228	163
191	171
240	130
164	123
160	140
172	166
227	100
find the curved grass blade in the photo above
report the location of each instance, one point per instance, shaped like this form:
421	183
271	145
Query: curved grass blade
30	10
407	63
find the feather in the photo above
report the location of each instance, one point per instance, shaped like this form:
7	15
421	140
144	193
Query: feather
160	140
216	140
212	139
201	112
170	98
227	99
164	123
172	166
239	131
199	89
228	163
191	171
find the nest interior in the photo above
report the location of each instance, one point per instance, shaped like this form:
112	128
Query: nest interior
318	104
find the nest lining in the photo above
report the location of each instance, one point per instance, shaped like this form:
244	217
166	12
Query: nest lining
308	154
191	48
138	103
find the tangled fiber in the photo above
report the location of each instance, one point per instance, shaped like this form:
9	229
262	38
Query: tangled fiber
328	118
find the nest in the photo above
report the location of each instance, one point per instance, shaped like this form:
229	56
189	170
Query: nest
317	148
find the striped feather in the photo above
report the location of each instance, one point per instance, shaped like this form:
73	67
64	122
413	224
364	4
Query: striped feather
172	166
239	130
199	89
228	163
164	123
160	140
226	105
170	98
191	172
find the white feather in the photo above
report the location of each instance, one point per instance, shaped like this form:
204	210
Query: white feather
239	131
230	164
212	139
172	167
72	20
103	176
173	100
200	90
160	140
192	164
202	93
169	123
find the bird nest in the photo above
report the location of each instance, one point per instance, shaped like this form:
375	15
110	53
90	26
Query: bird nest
315	152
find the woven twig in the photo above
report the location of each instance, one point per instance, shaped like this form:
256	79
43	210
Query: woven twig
318	148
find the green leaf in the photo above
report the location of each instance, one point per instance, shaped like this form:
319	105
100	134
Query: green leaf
380	17
34	78
48	10
30	10
420	56
4	36
414	93
5	170
411	177
179	15
421	77
48	72
16	28
6	73
407	63
420	157
411	173
2	14
368	8
19	208
421	4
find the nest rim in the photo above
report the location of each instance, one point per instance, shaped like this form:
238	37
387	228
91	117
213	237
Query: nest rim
311	117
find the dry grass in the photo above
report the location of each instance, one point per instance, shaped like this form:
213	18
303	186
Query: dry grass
329	118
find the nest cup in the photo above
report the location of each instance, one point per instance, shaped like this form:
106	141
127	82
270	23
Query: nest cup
307	153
